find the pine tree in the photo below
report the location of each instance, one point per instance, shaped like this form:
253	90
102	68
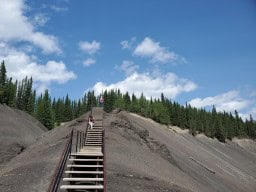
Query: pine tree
68	114
44	111
132	104
3	80
127	101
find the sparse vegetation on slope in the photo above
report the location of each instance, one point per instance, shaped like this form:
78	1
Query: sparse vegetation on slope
221	125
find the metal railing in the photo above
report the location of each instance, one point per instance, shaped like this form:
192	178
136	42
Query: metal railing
80	140
54	187
104	162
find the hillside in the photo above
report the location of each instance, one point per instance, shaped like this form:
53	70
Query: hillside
18	130
145	156
33	169
141	155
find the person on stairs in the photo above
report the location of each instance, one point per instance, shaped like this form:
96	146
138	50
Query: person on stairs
91	122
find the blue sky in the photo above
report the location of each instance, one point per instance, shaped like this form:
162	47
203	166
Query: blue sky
202	51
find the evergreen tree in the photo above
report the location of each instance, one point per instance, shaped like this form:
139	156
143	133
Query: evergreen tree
68	113
59	111
44	111
119	102
127	101
132	104
3	80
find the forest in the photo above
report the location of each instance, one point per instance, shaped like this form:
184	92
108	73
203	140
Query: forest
52	111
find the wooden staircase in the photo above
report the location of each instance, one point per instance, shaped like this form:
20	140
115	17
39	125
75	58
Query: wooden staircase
85	168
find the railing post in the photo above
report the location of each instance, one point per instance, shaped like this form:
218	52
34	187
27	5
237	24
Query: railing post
76	140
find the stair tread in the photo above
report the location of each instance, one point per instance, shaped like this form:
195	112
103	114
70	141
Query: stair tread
96	166
87	154
85	172
82	179
85	159
81	187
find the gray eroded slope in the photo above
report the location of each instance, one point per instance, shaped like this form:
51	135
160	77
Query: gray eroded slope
33	169
145	156
18	130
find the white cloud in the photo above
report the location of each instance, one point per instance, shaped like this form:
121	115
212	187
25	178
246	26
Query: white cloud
129	67
128	44
125	44
169	84
58	9
19	65
90	48
89	62
148	48
229	101
40	20
15	26
247	114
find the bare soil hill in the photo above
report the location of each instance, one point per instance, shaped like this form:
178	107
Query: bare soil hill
145	156
18	130
33	169
141	155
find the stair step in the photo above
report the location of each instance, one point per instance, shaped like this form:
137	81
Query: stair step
99	154
94	132
91	144
82	179
89	166
81	187
85	159
93	141
84	172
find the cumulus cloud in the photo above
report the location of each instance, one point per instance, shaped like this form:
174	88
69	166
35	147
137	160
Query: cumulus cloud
169	84
15	26
128	67
19	65
247	114
89	62
148	48
128	44
40	19
89	48
229	101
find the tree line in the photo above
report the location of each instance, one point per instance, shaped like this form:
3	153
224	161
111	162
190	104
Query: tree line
222	125
51	112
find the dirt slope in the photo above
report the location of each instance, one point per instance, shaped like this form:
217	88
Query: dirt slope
33	169
145	156
141	155
18	130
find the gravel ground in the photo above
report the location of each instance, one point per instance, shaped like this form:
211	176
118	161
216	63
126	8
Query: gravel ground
145	156
33	169
141	155
18	130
